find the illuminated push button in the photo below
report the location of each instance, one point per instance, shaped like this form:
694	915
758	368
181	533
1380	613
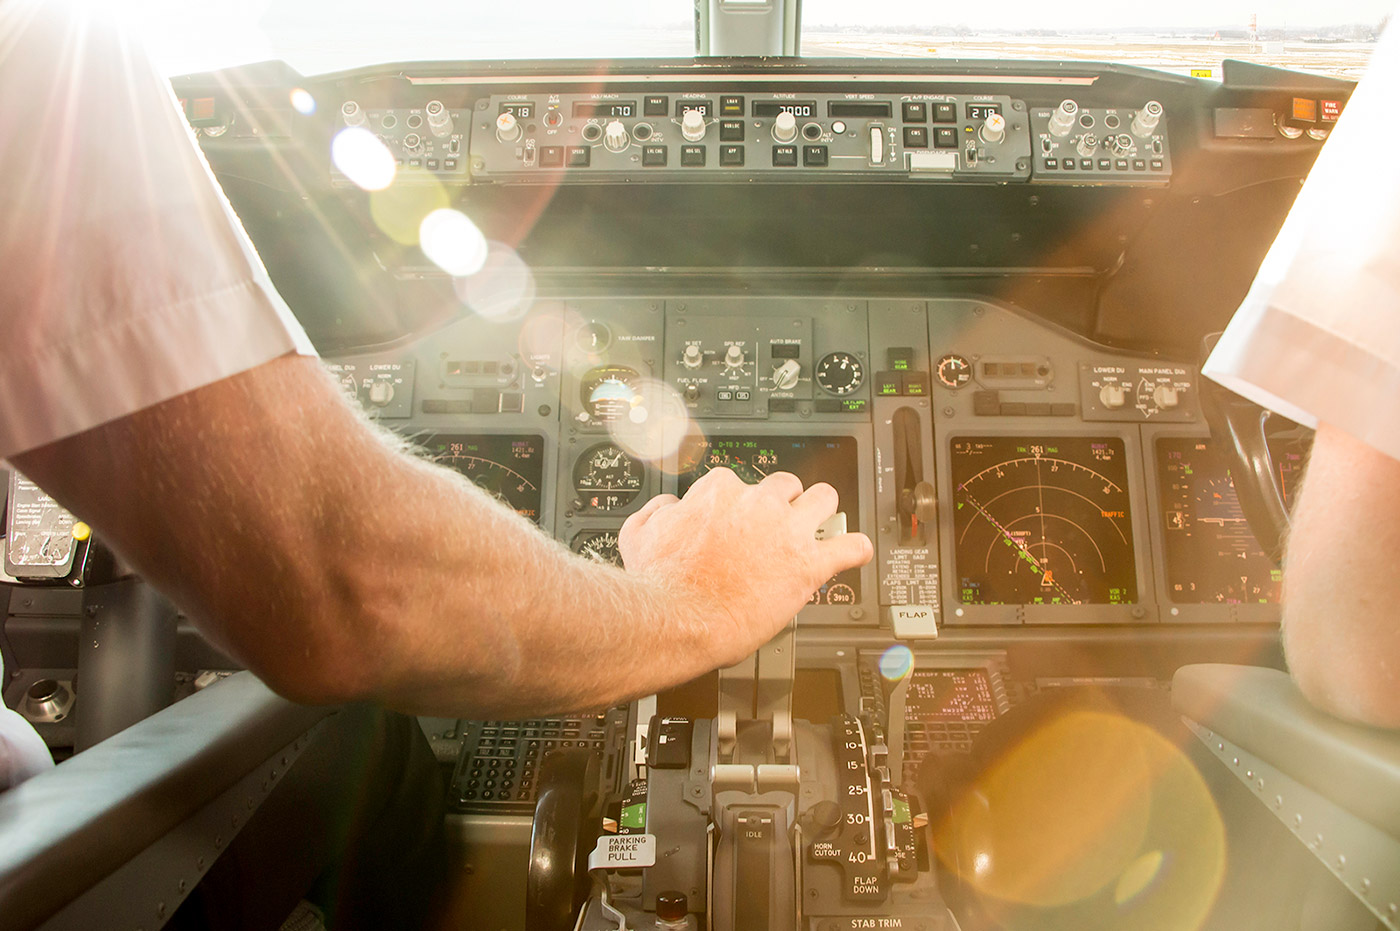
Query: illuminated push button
507	127
615	136
838	127
1147	119
81	531
785	127
693	125
1063	119
993	128
1112	396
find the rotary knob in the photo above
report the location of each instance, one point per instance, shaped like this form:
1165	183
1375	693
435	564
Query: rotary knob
1088	144
734	356
1147	119
1166	397
439	120
351	112
1113	395
1063	119
1120	145
993	128
785	375
507	127
692	357
785	127
693	125
615	136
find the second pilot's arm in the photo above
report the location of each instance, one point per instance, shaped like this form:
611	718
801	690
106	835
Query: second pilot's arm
1318	339
156	385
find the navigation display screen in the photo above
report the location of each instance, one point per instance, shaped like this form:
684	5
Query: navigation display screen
509	467
830	459
1042	520
1211	554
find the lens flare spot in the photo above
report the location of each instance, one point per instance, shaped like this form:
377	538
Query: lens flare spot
359	155
1138	877
452	242
504	288
656	423
399	210
302	101
896	662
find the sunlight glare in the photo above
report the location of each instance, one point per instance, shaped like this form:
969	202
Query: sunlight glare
452	241
363	159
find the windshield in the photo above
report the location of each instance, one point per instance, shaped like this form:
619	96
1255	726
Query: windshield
1191	37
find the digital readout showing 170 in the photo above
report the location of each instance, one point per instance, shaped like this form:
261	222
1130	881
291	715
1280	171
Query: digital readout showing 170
798	108
613	108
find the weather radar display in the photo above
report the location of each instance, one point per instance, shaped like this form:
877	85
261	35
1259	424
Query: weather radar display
1042	520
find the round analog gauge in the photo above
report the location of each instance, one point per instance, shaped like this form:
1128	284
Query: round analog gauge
954	371
606	478
600	545
1042	521
840	373
609	392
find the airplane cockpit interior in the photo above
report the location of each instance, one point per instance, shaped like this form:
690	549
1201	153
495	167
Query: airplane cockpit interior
967	279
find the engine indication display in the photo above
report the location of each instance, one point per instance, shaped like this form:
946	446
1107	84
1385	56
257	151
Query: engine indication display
607	478
1042	520
830	459
1211	555
509	467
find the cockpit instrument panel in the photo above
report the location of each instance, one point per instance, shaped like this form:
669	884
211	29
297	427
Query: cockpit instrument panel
1042	520
830	459
1211	555
509	467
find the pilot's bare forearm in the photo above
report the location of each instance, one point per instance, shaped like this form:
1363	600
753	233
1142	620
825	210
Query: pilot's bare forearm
1341	584
337	568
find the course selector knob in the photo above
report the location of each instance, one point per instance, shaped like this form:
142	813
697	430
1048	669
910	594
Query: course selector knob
615	136
507	128
993	128
693	125
785	127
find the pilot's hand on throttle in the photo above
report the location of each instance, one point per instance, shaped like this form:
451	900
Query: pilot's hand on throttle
744	555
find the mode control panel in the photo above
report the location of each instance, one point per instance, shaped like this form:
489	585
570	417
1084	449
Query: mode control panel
1126	145
719	135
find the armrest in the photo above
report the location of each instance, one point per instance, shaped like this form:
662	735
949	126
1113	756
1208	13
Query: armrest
1262	711
64	831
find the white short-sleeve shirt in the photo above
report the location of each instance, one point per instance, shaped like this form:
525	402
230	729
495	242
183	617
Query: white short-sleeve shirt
1318	335
125	278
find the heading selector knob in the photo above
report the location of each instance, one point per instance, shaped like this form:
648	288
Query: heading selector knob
1063	119
785	127
615	136
734	356
507	127
693	125
993	128
785	376
692	357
